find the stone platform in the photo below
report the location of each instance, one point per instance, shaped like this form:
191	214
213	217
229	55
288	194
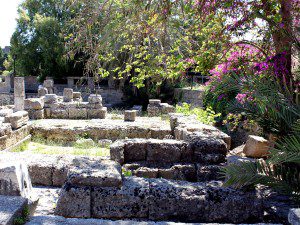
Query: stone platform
113	129
11	208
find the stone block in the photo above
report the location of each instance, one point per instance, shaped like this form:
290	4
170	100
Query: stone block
34	103
41	168
48	83
155	102
19	103
17	119
74	202
95	99
42	91
117	152
50	99
146	172
294	216
129	201
186	172
6	112
77	96
166	108
36	114
153	111
164	151
105	173
175	200
77	113
256	147
97	113
135	150
14	179
130	115
19	87
68	95
59	113
5	129
208	172
11	208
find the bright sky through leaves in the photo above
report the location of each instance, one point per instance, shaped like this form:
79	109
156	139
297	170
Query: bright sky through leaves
8	15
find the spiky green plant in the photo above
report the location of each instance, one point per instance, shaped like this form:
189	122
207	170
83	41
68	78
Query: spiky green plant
281	170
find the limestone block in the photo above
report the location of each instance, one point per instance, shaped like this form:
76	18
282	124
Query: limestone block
50	99
146	172
234	159
74	202
94	106
95	99
178	171
77	96
130	115
164	151
105	173
19	103
208	172
294	216
47	113
59	113
48	83
166	108
129	201
5	129
19	87
68	95
11	208
14	179
17	119
36	114
135	150
42	91
41	169
117	152
77	113
256	147
97	113
201	202
153	111
34	103
155	102
6	112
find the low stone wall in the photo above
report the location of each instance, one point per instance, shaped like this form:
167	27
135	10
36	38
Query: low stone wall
66	130
159	199
168	151
190	96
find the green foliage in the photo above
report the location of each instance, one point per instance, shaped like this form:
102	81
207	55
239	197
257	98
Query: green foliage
280	171
38	41
24	218
126	173
2	59
21	148
207	116
146	41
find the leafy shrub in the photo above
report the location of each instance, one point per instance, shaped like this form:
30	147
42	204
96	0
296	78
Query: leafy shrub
207	116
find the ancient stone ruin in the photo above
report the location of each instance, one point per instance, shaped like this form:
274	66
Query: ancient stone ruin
156	170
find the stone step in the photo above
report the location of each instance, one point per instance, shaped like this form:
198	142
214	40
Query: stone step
57	220
192	172
205	150
161	200
11	208
52	170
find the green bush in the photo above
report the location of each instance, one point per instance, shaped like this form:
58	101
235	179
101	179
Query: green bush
206	116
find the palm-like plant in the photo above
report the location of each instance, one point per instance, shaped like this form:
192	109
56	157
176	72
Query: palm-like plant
280	171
